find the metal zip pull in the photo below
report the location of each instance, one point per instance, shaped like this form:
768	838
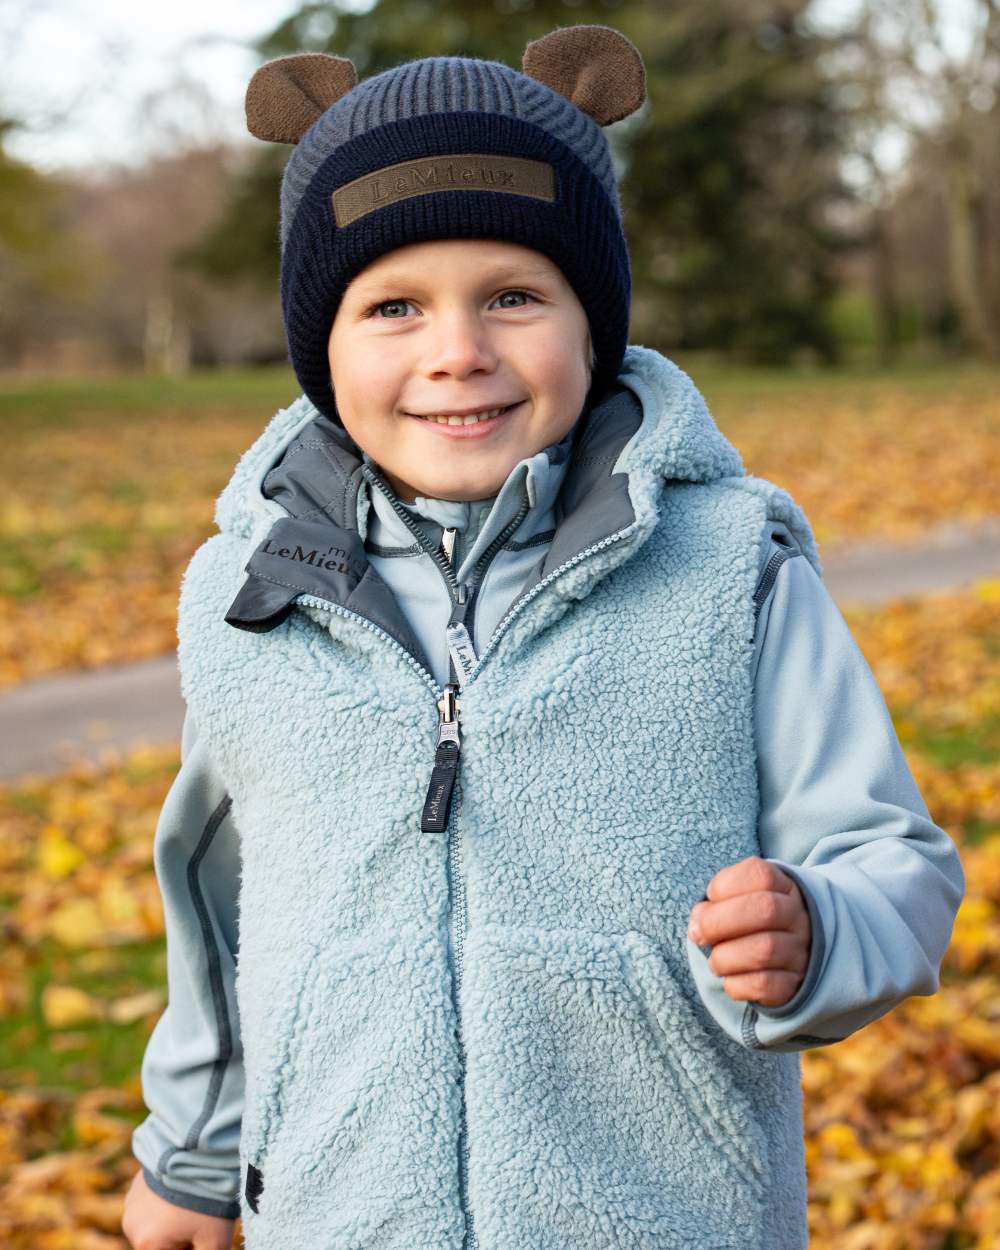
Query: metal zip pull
448	544
438	800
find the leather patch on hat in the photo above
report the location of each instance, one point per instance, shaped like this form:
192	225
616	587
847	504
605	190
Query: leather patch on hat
465	172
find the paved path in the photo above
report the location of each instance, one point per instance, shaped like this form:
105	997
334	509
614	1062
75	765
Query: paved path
47	723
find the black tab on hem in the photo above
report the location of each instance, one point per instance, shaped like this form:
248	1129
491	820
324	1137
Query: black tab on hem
254	1186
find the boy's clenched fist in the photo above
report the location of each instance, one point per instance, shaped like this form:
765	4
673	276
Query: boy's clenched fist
758	924
150	1222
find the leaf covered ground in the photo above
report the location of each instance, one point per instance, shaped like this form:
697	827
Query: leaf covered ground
902	1119
110	488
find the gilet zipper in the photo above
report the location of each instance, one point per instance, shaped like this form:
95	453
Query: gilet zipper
439	813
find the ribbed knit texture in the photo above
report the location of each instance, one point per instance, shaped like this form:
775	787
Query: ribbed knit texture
441	106
443	84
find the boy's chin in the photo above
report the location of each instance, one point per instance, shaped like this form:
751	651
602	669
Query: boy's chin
461	490
458	494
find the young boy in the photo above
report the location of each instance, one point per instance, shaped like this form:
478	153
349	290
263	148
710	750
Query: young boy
558	805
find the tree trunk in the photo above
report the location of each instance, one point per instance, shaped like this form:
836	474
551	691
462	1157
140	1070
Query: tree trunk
885	301
167	343
965	206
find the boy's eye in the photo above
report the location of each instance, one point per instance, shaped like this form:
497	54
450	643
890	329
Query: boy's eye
402	303
389	303
506	293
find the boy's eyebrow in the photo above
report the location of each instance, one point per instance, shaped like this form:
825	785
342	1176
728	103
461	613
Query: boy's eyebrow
500	273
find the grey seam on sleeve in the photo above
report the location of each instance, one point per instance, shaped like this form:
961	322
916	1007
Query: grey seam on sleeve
753	1042
215	981
192	1202
750	1038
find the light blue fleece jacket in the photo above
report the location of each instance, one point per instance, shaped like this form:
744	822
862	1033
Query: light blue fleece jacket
838	809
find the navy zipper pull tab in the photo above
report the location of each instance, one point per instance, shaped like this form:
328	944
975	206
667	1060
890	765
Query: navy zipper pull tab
438	800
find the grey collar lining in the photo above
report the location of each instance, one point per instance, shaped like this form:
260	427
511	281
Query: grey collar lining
316	549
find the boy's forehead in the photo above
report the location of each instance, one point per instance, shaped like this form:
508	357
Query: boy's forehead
490	259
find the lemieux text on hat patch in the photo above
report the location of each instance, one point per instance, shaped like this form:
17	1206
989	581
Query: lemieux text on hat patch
463	172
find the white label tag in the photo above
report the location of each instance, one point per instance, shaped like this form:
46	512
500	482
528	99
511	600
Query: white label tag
462	650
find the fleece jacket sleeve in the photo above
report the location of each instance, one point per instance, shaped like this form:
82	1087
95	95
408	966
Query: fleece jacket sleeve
841	814
192	1069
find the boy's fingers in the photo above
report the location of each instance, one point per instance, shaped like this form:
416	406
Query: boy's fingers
770	989
748	876
746	913
773	951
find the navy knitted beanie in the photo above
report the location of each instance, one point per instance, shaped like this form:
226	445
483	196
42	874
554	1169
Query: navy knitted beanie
450	147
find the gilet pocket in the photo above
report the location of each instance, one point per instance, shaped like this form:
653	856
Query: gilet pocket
700	1065
354	1118
267	1079
597	1101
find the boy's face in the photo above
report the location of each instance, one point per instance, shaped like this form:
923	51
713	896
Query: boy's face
458	325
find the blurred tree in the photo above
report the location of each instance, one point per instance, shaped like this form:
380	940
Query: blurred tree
243	243
942	93
41	260
732	164
733	180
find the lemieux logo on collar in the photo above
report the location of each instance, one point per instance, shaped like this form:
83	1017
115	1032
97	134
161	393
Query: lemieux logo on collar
464	172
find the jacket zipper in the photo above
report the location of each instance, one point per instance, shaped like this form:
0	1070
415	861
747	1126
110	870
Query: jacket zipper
463	594
439	813
436	818
450	708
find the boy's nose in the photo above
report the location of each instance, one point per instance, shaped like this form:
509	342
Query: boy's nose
459	345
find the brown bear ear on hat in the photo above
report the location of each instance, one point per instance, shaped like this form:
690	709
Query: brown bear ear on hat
594	67
286	95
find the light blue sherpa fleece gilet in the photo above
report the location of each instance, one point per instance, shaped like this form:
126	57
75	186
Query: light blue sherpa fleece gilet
489	1037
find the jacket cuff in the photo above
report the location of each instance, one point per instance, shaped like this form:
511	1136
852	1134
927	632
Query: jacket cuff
737	1018
816	953
193	1202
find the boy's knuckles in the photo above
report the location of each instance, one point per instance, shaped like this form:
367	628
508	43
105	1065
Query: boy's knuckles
761	951
768	909
768	989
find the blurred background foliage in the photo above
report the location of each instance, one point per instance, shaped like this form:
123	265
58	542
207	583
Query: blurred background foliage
814	223
762	221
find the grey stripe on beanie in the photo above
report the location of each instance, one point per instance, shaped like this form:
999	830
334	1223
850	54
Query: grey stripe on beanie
443	84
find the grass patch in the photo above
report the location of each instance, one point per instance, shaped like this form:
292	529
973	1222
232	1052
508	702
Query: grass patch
959	745
101	1052
78	401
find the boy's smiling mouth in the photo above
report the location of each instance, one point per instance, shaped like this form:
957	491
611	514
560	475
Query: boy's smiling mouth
468	422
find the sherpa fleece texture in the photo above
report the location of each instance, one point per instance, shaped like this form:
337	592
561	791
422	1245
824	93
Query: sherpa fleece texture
607	772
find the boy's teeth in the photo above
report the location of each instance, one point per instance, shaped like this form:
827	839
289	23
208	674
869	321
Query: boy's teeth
471	419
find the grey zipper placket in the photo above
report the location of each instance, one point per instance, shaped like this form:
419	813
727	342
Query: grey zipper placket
463	595
444	773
